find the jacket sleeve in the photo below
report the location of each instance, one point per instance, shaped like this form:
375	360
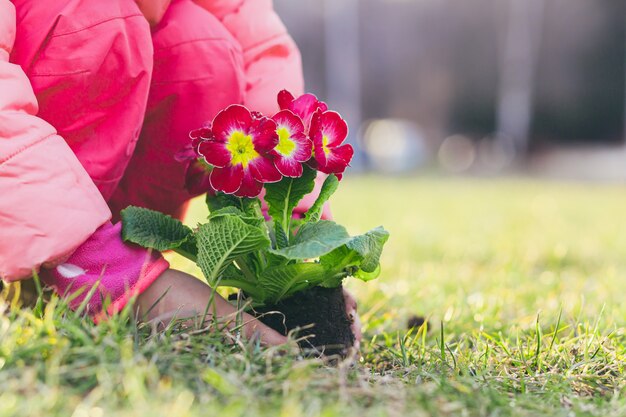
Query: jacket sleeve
48	204
271	58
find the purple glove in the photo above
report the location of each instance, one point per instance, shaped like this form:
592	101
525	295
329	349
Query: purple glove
123	271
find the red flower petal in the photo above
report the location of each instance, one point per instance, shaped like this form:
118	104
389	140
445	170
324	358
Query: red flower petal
315	126
249	186
262	169
318	151
256	115
202	133
288	119
227	179
197	179
305	105
289	167
188	153
304	148
264	137
337	159
332	126
215	153
234	117
284	99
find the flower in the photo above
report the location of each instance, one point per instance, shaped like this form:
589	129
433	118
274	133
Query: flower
293	146
197	171
197	178
304	106
328	131
239	150
204	133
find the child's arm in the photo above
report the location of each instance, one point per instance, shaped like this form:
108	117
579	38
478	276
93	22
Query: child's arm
50	209
48	203
119	271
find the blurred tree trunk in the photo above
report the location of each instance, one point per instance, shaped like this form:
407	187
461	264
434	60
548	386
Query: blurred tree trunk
343	62
518	62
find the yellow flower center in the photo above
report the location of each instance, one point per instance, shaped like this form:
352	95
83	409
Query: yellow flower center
285	145
241	149
325	145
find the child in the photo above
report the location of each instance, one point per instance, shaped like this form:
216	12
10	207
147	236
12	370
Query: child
96	98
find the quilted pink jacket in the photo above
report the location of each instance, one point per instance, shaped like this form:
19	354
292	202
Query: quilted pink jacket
96	97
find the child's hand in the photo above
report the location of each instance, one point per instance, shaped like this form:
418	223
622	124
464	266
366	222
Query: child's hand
186	296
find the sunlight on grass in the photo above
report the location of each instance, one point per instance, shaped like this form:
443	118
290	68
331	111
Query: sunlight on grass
522	284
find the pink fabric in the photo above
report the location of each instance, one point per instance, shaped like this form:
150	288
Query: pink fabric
271	58
116	269
81	79
48	203
198	70
153	10
91	76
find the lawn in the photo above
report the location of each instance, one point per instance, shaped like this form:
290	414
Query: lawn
523	284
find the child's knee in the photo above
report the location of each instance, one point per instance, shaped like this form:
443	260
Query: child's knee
91	76
197	59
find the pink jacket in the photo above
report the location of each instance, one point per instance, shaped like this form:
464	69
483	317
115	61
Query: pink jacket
82	135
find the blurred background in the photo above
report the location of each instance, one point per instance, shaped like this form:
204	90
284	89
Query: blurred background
472	87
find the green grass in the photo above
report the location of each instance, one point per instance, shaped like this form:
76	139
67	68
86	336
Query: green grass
523	284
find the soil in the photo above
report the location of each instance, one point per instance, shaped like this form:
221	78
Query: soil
318	314
415	322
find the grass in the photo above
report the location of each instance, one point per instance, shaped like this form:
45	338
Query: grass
523	284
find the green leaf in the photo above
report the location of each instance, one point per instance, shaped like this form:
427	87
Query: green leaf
314	240
225	211
282	240
370	247
359	257
155	230
367	276
249	218
341	258
222	240
189	248
282	281
331	183
221	200
283	196
272	260
233	277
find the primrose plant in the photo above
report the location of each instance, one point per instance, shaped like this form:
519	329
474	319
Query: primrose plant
269	256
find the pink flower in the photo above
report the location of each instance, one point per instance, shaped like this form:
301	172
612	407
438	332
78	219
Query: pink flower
197	178
239	150
204	133
197	171
328	131
304	106
293	146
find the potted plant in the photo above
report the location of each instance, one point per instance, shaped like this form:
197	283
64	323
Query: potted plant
294	265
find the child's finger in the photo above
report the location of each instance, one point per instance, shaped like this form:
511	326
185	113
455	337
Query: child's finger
351	303
255	329
356	329
353	315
